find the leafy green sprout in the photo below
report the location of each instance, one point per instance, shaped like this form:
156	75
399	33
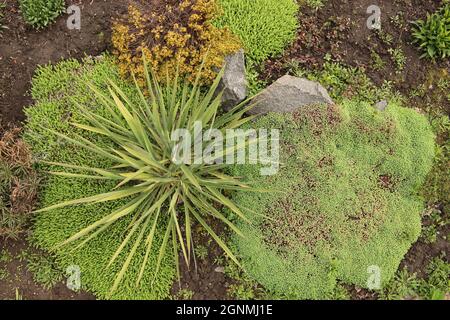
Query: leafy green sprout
378	63
5	256
433	34
161	193
44	270
40	13
315	4
398	57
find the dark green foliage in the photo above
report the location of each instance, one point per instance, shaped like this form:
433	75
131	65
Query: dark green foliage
44	270
40	13
434	286
433	34
434	222
437	187
344	198
437	284
55	89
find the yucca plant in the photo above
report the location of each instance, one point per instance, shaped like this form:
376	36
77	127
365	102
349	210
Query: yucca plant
433	34
159	191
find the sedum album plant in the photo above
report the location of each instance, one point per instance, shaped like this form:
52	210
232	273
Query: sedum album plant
160	193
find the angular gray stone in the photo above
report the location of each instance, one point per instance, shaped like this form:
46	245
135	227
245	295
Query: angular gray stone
234	82
382	105
289	93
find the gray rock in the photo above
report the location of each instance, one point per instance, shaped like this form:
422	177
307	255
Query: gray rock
234	82
381	106
289	93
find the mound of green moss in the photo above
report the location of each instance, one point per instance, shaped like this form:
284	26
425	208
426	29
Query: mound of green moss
344	199
265	27
57	90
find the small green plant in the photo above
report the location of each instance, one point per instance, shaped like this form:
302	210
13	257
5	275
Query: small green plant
40	13
385	37
436	220
161	193
5	256
433	34
398	57
398	20
244	287
403	285
343	81
315	4
437	284
437	187
378	63
22	255
44	270
420	91
434	286
339	293
3	274
241	291
201	252
184	294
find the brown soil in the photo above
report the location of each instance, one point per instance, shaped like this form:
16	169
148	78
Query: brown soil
421	253
204	277
22	49
21	280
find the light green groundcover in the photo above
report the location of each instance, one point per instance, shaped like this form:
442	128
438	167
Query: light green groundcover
55	89
343	202
265	27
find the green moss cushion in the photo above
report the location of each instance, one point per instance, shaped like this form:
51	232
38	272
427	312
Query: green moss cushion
265	27
344	199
